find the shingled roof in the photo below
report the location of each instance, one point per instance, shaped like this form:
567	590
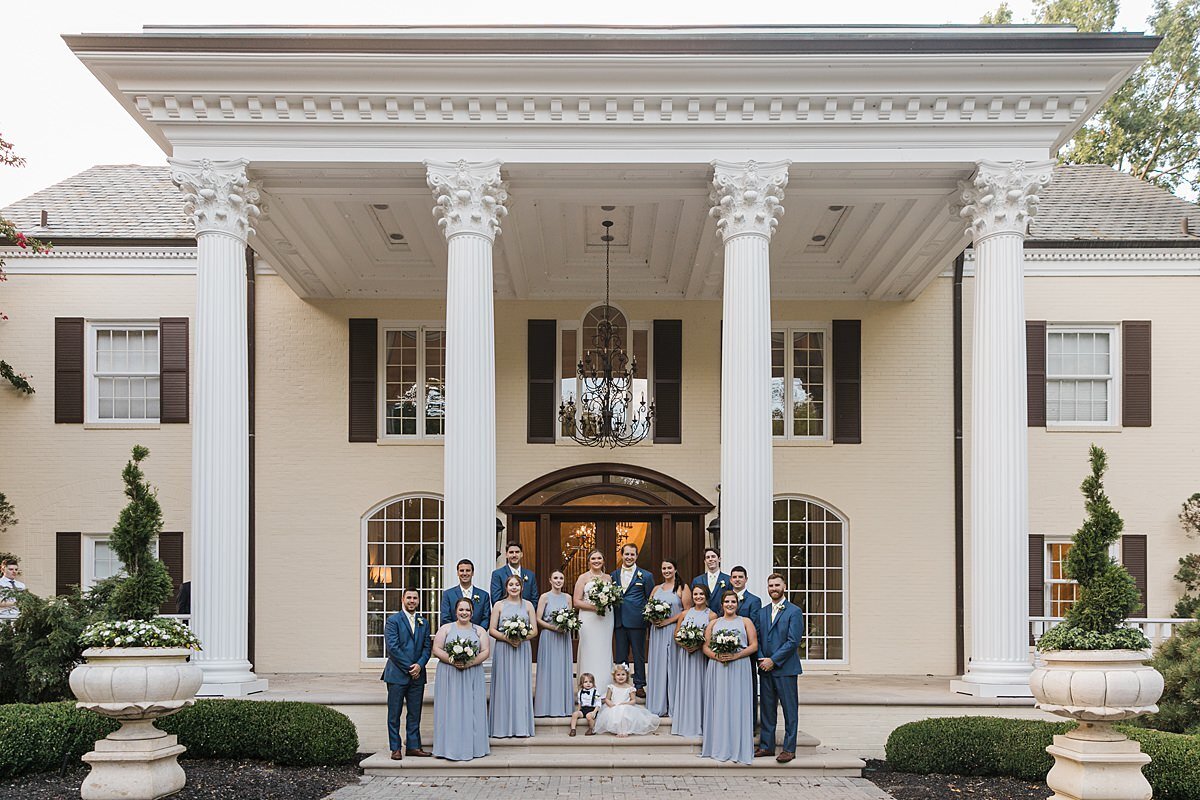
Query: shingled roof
1088	202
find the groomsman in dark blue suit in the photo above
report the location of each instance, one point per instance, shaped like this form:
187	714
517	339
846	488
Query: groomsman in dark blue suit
748	606
482	612
714	580
409	646
529	587
629	631
780	632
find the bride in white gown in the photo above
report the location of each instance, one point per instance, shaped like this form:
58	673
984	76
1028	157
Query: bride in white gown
596	632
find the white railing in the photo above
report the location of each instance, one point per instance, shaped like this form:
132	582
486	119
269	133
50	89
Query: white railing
1156	630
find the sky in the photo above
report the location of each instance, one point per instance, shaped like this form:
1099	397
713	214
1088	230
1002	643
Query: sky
42	77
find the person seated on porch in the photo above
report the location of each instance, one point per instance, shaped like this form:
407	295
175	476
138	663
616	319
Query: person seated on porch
481	600
713	579
619	712
529	586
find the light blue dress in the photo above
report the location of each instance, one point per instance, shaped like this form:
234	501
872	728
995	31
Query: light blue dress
662	659
554	695
460	705
511	710
729	704
687	709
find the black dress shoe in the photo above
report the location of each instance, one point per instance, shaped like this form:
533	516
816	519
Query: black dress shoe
397	755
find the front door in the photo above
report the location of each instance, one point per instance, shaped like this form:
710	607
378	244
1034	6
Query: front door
571	537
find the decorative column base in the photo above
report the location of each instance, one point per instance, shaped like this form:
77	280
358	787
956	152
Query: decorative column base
1097	769
134	769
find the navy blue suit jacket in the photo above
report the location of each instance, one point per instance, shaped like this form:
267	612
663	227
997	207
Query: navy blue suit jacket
529	588
406	647
749	607
483	605
629	611
780	641
723	585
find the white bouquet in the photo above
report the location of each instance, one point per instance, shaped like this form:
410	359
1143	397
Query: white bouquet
656	610
516	629
689	636
603	594
726	642
567	619
462	651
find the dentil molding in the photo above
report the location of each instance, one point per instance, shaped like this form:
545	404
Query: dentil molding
747	197
1001	197
470	197
218	196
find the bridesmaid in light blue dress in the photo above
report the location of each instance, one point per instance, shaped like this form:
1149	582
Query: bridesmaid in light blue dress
554	695
511	710
687	709
459	693
728	693
663	656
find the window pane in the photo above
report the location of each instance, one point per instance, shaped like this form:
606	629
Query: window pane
435	383
404	550
808	552
401	394
778	383
808	383
568	370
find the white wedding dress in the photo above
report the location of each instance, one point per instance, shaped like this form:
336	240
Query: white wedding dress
595	646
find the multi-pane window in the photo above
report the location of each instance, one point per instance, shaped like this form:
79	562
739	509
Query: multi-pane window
124	373
575	341
404	551
414	382
1061	591
809	547
798	383
1080	375
99	560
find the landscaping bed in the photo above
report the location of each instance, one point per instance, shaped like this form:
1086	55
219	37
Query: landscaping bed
906	786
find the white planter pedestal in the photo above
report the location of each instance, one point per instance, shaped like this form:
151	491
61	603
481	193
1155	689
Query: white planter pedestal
1097	688
135	685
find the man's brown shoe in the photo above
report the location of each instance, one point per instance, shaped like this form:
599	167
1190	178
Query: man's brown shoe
784	757
641	693
762	752
397	755
413	751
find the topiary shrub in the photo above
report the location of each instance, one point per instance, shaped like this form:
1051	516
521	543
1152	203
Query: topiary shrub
1178	659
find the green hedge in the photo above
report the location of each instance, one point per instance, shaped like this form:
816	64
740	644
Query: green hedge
37	738
1017	748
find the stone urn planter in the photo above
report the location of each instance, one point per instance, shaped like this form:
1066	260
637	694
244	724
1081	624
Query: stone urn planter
135	685
1097	688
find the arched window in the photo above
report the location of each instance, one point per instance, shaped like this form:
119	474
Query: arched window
403	551
809	551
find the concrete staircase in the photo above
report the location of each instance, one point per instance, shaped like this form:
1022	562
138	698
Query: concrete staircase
552	752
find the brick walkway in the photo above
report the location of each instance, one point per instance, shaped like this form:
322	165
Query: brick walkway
614	788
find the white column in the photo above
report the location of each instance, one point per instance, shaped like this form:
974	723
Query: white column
746	203
998	202
220	202
470	202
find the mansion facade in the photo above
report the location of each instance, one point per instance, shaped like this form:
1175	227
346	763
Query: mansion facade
886	394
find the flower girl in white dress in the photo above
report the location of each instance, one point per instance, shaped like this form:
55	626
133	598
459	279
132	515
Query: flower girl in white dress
621	714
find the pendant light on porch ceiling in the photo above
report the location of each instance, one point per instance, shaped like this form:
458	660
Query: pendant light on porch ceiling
607	416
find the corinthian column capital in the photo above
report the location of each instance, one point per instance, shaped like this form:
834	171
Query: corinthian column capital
746	197
218	196
1001	196
470	197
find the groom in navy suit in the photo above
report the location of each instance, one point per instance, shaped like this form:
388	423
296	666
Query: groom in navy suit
529	587
409	646
629	632
780	632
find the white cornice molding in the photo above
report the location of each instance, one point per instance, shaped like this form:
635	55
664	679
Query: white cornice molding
1101	263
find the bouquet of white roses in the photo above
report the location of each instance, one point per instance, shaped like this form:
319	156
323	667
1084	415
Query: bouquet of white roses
656	610
567	619
603	594
726	642
516	628
689	636
462	651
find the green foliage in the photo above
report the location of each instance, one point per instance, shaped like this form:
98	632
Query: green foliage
38	738
1178	659
39	649
1089	16
8	518
1107	593
1189	575
146	585
1017	748
1003	15
157	632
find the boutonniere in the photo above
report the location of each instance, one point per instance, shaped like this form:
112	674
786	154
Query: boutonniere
475	598
420	622
525	578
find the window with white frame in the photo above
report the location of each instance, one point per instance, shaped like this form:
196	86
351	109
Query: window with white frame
808	550
414	381
123	372
1081	375
799	382
1061	592
99	560
404	546
577	337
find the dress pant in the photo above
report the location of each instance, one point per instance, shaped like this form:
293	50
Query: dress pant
625	640
778	690
401	696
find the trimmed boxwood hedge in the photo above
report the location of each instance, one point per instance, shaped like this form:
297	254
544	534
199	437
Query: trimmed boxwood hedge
1017	748
38	738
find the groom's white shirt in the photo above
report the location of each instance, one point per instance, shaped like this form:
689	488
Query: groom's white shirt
627	574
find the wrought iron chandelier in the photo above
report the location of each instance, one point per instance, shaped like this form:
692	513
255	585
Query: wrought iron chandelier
606	415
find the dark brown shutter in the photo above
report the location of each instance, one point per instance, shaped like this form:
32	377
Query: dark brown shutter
68	369
1133	556
1037	575
170	552
1135	368
542	345
173	369
847	381
1035	372
68	561
668	381
364	365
